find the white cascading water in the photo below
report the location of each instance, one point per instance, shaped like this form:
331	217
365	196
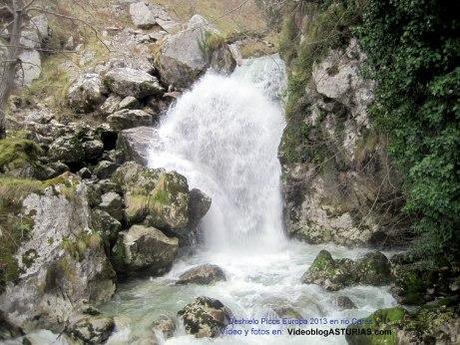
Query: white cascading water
223	135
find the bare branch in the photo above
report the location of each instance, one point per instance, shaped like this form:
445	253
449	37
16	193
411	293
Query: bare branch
59	15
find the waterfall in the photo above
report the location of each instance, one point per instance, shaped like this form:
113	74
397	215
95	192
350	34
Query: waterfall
223	135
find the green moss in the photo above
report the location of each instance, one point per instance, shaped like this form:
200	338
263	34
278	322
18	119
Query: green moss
17	151
79	247
210	42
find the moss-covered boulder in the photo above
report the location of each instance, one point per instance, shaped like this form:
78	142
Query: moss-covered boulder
383	325
331	274
157	197
436	323
144	250
205	317
19	157
335	274
373	269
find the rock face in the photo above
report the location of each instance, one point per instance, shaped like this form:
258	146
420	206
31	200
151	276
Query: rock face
141	15
202	275
372	269
339	185
131	82
144	250
205	317
134	143
187	54
86	93
62	263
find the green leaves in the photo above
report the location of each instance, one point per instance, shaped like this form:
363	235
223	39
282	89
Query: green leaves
413	50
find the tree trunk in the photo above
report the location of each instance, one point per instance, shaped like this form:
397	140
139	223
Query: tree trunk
9	65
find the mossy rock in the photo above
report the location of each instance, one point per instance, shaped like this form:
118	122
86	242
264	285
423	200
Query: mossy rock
388	321
374	269
19	157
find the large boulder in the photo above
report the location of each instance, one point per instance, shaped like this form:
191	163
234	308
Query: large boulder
335	274
132	82
128	118
202	275
164	327
144	250
54	262
31	68
141	15
155	197
205	317
184	56
134	143
86	93
199	205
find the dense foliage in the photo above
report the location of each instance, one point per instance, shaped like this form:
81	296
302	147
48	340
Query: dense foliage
413	49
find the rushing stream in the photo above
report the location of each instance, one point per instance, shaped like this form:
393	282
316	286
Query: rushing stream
223	135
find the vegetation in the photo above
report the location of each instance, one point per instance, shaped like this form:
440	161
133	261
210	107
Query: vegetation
413	52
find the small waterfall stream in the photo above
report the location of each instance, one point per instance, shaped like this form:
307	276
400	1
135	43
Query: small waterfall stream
223	135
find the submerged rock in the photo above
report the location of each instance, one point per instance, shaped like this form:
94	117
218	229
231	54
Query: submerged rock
372	269
344	302
205	317
202	275
144	250
164	327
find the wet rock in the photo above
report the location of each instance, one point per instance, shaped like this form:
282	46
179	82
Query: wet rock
144	250
86	93
199	205
186	55
128	118
205	317
287	312
164	326
112	203
344	302
131	82
134	143
202	275
333	275
93	329
105	169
